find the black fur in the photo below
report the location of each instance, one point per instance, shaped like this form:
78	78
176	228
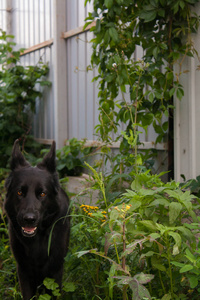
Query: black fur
34	203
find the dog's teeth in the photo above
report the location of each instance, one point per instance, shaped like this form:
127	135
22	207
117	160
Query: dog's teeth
29	230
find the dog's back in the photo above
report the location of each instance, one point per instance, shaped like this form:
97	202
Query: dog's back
37	209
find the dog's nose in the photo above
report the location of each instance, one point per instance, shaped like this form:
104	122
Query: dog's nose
30	218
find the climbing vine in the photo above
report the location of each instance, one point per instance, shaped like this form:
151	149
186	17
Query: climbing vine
139	92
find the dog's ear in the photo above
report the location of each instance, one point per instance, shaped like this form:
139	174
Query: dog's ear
49	161
17	158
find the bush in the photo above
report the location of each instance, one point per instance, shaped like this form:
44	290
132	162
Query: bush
136	247
18	95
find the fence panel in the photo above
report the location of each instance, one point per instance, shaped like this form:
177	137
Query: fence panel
32	25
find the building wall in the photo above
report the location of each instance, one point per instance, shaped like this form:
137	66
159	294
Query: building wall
187	117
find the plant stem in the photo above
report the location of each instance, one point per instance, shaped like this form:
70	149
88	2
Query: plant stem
170	269
163	287
118	260
124	261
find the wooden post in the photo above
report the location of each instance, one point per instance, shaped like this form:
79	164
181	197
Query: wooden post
8	16
60	72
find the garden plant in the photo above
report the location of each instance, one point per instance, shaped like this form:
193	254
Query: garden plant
20	88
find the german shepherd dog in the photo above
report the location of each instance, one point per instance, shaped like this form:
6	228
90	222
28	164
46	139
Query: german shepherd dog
37	211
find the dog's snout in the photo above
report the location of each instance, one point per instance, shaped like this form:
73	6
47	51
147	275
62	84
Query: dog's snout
30	218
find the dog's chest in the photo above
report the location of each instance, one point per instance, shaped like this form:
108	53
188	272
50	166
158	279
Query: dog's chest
36	253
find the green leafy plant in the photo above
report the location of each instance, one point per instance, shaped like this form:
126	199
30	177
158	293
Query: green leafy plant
190	264
71	157
134	248
139	93
18	94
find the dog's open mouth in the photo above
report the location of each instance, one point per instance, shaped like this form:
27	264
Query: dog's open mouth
29	231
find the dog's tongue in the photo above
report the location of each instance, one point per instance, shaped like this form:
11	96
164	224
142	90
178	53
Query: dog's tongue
29	229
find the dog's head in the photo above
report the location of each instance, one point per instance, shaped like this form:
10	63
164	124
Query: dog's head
31	200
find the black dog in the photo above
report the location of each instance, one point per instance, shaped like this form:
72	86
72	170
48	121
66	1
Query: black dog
34	203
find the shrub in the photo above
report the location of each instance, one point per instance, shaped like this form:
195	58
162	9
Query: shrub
133	248
18	94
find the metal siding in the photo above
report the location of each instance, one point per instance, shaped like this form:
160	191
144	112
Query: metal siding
3	15
32	24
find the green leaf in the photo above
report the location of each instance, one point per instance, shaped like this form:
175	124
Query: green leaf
177	238
157	264
177	264
147	119
156	51
193	280
172	91
143	278
135	204
159	201
113	34
139	291
190	256
186	268
44	297
108	3
69	287
174	211
187	233
179	93
148	16
167	297
81	253
98	25
150	225
50	284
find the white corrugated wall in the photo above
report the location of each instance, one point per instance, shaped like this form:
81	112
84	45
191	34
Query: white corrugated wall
187	117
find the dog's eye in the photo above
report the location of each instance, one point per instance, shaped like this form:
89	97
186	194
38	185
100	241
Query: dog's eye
19	193
42	195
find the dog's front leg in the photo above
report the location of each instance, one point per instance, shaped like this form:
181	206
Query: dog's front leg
27	286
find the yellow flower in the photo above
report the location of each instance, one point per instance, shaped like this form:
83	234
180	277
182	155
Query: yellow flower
128	207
